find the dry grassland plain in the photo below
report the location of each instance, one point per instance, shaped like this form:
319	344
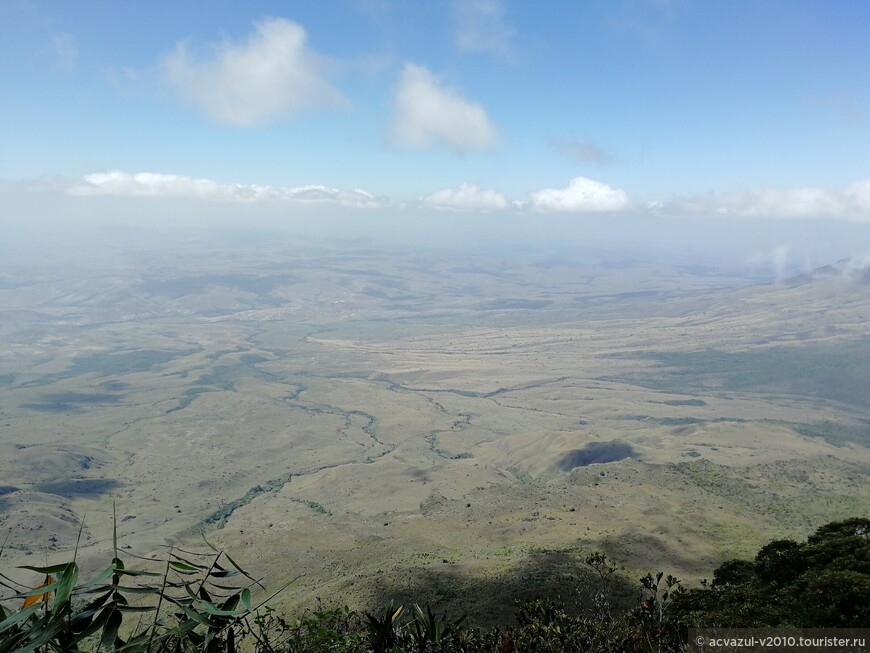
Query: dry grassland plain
405	423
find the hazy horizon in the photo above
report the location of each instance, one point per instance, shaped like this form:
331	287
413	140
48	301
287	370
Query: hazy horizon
734	133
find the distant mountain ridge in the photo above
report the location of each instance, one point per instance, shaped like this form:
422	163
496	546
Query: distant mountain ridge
847	269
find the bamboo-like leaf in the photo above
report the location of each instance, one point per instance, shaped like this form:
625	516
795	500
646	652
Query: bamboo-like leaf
225	573
183	566
79	537
52	569
211	608
43	593
65	586
46	634
231	588
203	594
193	614
139	642
137	572
114	530
16	617
131	608
246	598
278	591
9	644
110	630
97	603
193	564
230	603
208	544
238	568
184	626
44	588
7	584
96	580
190	553
97	624
145	589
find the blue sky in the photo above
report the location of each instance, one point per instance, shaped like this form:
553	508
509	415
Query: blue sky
751	109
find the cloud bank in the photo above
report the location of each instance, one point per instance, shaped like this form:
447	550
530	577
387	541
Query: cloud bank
272	76
429	115
468	197
849	203
149	184
580	196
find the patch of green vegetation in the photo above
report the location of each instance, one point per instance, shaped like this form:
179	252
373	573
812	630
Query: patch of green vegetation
684	421
508	304
219	517
316	507
125	362
69	402
220	353
256	284
835	433
710	476
679	421
225	377
837	371
685	402
221	378
188	396
524	477
432	440
825	580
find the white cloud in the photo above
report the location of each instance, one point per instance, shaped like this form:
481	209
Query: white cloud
581	196
850	109
150	184
66	52
481	27
430	115
648	20
271	76
780	259
587	151
468	197
850	203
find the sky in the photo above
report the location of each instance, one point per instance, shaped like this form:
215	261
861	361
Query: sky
602	112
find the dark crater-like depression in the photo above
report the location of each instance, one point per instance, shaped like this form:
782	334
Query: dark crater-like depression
595	453
78	487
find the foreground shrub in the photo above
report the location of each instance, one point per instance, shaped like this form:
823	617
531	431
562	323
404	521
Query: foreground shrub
194	604
822	583
202	602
